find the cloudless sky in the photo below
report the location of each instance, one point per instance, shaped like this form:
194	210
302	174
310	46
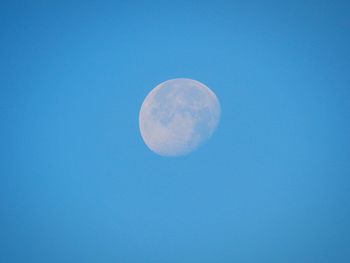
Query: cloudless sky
77	183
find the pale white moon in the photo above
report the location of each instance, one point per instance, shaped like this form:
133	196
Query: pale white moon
177	116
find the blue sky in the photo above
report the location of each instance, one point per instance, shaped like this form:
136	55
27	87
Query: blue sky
77	183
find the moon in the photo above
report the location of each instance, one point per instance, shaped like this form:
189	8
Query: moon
177	116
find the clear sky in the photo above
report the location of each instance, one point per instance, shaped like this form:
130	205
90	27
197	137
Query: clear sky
77	183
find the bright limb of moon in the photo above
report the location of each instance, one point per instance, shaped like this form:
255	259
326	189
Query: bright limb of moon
177	116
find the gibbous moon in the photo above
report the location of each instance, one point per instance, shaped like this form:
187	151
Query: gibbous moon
177	116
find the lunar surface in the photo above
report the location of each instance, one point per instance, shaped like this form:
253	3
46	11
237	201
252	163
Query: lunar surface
177	116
